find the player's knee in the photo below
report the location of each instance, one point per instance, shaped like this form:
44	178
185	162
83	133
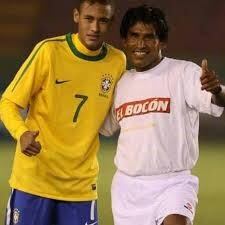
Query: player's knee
175	219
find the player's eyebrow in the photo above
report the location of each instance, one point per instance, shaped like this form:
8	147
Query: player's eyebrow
100	18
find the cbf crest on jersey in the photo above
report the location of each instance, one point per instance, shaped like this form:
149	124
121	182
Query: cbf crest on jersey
106	85
16	216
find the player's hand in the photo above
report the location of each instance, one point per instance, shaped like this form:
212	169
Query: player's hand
209	79
29	146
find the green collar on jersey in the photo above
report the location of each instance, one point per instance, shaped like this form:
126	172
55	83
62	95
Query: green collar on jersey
75	51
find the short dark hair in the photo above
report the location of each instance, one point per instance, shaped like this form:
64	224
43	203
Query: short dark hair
147	15
103	2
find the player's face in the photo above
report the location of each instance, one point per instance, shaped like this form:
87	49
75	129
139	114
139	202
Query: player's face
143	47
93	22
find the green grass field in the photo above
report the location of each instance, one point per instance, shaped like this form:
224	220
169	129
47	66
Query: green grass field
210	169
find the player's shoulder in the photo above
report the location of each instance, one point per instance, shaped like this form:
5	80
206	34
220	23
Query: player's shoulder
115	52
183	69
182	64
126	77
55	39
51	42
47	46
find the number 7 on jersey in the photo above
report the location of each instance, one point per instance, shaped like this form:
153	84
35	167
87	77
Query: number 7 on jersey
84	99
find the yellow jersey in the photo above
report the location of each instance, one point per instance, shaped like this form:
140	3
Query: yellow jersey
68	91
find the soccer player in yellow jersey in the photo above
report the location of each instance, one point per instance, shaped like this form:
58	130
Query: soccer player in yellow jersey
67	85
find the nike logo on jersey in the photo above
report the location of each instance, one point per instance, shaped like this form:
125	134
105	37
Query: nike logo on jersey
91	223
61	81
156	105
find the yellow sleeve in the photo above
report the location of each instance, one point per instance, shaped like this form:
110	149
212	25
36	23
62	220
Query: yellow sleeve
29	79
11	117
27	82
124	63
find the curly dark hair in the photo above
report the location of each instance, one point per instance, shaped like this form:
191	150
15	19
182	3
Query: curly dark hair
147	15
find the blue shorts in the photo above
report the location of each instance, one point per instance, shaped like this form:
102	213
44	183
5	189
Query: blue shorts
28	209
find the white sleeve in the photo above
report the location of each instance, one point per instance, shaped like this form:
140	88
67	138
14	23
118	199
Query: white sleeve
110	125
194	96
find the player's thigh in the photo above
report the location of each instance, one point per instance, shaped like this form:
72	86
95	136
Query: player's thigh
132	201
178	201
175	219
27	209
77	213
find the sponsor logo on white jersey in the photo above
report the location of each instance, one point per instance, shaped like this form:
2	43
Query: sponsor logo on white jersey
150	105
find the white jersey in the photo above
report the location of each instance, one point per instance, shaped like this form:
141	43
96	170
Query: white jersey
158	113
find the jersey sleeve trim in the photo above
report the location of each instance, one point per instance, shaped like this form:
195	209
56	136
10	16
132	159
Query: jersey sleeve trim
32	58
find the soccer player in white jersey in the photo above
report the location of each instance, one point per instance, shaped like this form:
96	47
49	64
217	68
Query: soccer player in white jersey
156	107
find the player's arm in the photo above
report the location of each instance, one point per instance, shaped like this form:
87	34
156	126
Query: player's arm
11	117
211	83
110	125
27	82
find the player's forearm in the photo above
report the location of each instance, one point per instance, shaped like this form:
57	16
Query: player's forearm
219	99
107	132
109	127
12	119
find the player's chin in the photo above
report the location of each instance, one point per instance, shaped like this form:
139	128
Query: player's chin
93	44
138	62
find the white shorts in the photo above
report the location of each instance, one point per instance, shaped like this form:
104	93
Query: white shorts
147	200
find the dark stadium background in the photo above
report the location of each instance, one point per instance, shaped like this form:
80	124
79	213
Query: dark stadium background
197	31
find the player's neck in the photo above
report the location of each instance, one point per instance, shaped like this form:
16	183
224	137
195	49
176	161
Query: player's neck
150	66
82	48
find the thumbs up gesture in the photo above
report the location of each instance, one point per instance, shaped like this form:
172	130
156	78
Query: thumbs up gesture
209	79
29	146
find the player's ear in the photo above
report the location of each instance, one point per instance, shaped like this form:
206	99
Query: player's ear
76	15
163	45
124	42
